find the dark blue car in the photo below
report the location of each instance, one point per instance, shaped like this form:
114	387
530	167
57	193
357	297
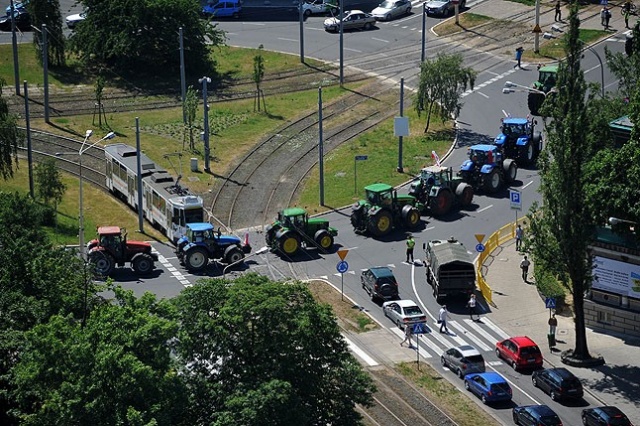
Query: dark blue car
489	387
535	415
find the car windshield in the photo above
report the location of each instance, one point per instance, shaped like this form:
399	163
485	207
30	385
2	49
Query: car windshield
386	5
530	350
476	359
412	310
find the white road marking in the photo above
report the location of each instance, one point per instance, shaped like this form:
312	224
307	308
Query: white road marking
430	228
259	24
524	187
483	333
495	328
360	353
471	337
353	50
482	94
287	39
485	208
379	39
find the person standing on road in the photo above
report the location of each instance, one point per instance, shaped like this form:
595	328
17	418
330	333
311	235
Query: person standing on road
407	335
558	17
626	17
471	304
519	233
519	52
553	324
603	14
442	318
411	243
524	265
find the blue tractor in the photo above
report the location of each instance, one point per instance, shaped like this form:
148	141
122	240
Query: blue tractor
202	242
519	140
487	169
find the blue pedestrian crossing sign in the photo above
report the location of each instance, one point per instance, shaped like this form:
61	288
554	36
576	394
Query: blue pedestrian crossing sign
342	266
516	199
480	247
419	328
550	303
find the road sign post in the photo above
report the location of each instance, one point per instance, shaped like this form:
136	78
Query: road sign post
515	198
342	267
355	171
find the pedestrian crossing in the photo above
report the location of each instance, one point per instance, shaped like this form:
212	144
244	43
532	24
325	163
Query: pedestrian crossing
482	334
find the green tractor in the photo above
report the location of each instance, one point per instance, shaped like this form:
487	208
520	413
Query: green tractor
544	87
384	210
294	228
438	189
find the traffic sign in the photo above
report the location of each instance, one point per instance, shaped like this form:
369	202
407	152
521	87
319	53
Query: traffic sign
362	157
516	199
550	303
479	248
342	266
343	253
480	238
419	328
537	29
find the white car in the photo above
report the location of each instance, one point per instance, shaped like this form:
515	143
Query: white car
318	7
72	20
390	9
443	7
404	312
353	19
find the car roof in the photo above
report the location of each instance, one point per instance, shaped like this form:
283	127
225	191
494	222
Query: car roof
381	271
200	226
468	350
542	410
562	372
483	147
405	303
523	341
515	121
609	410
109	230
491	377
355	11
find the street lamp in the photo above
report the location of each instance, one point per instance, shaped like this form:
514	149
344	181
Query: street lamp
81	151
259	251
511	87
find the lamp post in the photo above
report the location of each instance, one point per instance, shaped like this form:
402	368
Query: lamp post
510	87
259	251
81	151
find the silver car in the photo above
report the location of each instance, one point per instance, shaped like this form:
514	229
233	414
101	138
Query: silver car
443	7
404	312
353	19
390	9
463	360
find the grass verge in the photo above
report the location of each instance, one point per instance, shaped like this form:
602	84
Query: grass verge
554	48
466	20
349	317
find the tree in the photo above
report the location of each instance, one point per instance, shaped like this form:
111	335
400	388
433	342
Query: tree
116	370
143	35
257	336
10	137
624	67
49	182
258	75
191	108
562	228
48	12
442	81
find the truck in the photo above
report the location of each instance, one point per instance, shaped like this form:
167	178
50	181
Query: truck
449	268
438	190
294	228
201	243
519	140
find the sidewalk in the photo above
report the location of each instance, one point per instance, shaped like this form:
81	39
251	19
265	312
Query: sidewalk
520	310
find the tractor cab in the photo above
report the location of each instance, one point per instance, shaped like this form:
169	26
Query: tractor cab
294	217
435	175
113	238
379	194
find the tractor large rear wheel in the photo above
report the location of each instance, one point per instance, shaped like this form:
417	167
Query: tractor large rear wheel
441	203
464	192
381	223
142	263
534	101
196	259
288	243
233	254
510	170
492	181
324	240
103	263
410	217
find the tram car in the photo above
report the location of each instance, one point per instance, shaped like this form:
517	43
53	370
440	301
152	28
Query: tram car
166	204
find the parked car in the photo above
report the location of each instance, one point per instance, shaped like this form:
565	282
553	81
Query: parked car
353	20
463	360
443	7
559	383
319	7
520	352
22	18
608	415
222	8
404	313
489	387
535	415
73	20
17	5
390	9
380	283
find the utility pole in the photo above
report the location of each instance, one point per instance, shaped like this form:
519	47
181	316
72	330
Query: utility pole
320	145
183	83
29	151
139	178
341	43
14	43
301	17
424	29
45	66
206	80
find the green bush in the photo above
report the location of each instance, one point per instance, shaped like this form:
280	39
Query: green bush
548	285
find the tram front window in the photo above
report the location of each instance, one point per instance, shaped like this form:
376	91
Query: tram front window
192	216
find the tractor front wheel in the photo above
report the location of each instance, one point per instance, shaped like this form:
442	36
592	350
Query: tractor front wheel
233	254
196	259
103	262
324	240
510	170
441	203
381	223
464	192
289	243
142	263
492	181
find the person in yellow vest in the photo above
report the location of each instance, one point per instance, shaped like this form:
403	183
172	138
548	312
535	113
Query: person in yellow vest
411	243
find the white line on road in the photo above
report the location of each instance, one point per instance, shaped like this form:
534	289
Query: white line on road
481	332
525	187
287	39
379	39
495	328
259	24
485	208
482	94
360	353
353	50
471	337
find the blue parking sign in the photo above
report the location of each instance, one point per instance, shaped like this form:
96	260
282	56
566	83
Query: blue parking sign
516	200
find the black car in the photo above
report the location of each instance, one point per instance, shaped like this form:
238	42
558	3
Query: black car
22	18
559	383
535	415
380	283
600	416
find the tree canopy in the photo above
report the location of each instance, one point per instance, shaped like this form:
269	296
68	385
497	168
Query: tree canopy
49	182
143	34
47	12
10	137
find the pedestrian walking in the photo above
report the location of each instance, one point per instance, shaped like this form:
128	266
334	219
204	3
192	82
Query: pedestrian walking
558	17
626	17
411	243
471	304
524	265
603	14
607	17
519	234
519	52
407	335
442	318
553	324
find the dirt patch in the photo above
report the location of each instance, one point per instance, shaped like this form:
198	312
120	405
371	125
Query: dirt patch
349	316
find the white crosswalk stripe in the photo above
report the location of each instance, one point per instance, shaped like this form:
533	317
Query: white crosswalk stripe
495	328
479	344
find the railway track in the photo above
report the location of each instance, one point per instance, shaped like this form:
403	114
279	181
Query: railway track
280	162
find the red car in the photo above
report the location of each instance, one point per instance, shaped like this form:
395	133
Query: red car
521	352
